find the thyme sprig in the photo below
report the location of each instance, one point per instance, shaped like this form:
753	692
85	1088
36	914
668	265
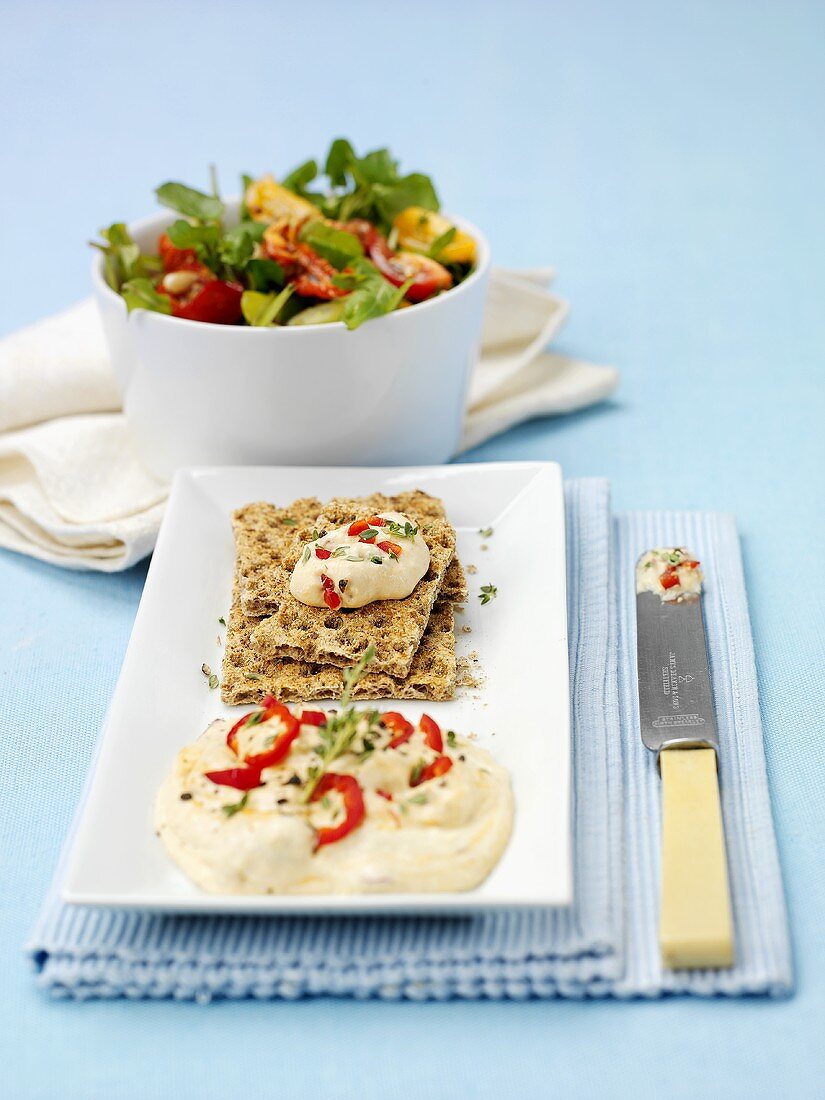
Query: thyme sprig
405	531
341	729
488	592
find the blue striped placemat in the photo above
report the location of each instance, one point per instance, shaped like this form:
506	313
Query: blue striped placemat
606	943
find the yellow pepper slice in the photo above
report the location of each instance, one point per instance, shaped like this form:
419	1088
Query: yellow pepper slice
417	229
267	201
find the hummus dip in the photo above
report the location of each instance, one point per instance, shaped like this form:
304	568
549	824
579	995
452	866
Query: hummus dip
382	557
401	809
671	572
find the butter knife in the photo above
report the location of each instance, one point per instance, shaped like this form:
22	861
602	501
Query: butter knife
678	724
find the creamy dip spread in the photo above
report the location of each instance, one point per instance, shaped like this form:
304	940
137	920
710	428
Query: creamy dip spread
381	557
671	572
400	809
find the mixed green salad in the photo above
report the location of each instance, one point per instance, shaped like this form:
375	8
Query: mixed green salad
353	241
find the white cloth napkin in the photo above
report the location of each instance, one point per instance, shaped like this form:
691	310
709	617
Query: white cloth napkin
73	491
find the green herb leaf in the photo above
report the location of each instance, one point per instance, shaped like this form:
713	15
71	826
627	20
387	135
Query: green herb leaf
141	294
335	245
254	676
189	202
415	774
264	274
488	592
261	310
372	295
238	245
246	181
376	561
288	521
451	738
222	621
418	800
407	531
213	681
485	532
339	158
122	258
441	242
184	234
236	807
299	177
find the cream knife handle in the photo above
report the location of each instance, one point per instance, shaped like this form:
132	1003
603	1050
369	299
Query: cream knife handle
695	924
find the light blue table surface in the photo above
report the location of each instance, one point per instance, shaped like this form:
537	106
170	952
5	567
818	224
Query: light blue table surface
670	161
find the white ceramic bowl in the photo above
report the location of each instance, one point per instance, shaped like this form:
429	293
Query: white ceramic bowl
390	393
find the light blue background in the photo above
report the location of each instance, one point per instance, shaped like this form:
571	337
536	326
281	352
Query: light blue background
669	160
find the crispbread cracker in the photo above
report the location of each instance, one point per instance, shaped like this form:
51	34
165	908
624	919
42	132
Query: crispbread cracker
247	676
266	556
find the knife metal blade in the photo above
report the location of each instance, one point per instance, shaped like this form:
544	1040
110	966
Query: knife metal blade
675	701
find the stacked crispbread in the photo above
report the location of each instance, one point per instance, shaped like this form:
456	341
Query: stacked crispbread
276	644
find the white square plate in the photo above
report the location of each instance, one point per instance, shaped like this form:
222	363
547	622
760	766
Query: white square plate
520	712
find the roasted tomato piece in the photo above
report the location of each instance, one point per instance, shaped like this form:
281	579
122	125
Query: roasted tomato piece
428	276
177	259
216	301
311	273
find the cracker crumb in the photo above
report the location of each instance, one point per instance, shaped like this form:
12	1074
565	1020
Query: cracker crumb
484	546
466	629
465	677
472	569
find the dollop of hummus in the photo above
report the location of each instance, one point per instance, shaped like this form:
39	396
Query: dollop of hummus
445	833
385	561
672	572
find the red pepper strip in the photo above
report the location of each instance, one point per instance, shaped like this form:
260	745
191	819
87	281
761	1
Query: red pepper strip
669	578
390	548
440	766
332	600
242	779
350	790
358	526
383	794
321	553
280	747
432	733
217	302
283	742
399	725
376	521
313	718
689	564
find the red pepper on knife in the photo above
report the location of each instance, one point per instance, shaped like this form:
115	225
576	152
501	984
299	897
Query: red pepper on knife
353	798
